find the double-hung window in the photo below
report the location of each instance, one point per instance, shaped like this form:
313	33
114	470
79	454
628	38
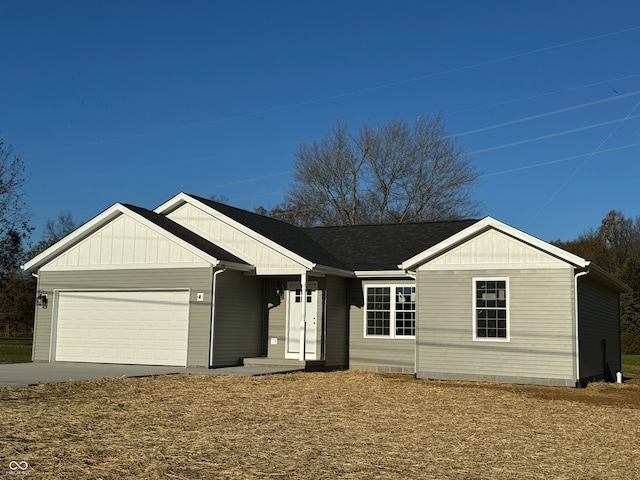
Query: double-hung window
390	311
491	309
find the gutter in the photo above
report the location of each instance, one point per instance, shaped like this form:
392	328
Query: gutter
213	311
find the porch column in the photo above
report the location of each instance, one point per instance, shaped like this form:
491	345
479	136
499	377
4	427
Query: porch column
303	316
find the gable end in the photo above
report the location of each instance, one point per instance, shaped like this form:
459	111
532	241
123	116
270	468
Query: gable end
490	249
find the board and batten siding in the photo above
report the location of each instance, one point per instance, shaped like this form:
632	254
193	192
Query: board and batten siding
196	280
237	319
395	355
493	249
541	328
124	241
265	258
599	330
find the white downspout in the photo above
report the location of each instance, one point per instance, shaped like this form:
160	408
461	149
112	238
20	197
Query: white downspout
577	323
303	316
213	311
414	275
35	320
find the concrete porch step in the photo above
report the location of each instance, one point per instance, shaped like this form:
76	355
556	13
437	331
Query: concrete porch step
282	362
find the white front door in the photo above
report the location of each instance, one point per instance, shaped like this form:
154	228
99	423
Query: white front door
295	299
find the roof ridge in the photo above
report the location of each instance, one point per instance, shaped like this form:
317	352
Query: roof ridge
364	225
238	209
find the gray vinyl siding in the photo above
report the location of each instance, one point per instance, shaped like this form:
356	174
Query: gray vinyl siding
197	280
238	318
376	354
599	330
335	338
541	345
276	315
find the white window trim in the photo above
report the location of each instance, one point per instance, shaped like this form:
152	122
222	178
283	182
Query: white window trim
392	327
474	280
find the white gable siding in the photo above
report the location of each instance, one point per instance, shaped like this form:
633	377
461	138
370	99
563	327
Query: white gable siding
264	257
124	241
493	248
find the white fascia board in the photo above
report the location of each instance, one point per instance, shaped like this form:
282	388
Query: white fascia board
98	222
184	198
278	272
323	270
173	203
486	224
243	267
381	274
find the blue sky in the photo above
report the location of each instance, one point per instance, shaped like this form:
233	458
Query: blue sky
134	102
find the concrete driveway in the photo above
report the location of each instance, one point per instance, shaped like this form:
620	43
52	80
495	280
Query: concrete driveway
16	375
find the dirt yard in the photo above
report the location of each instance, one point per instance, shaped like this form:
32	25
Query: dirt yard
347	425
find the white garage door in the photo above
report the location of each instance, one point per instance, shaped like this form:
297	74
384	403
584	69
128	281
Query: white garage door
147	328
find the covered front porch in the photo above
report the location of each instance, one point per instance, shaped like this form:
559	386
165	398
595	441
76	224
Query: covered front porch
304	322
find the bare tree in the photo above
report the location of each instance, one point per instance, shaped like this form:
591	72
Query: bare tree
219	199
387	174
14	224
328	179
16	288
55	230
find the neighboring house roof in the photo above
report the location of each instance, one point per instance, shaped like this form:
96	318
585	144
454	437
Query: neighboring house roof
284	234
383	247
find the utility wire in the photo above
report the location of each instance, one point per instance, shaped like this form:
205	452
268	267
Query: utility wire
540	95
560	160
551	135
342	95
546	114
581	166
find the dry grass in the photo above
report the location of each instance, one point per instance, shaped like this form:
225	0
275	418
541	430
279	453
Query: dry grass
320	425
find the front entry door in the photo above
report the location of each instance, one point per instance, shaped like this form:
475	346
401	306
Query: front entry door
295	299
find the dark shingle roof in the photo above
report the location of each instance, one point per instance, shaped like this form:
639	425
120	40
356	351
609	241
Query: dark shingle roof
289	236
186	235
357	247
383	247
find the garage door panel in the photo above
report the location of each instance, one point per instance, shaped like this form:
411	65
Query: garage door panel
149	327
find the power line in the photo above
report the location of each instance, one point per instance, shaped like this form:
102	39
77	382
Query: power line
581	166
560	160
546	114
540	95
551	135
341	95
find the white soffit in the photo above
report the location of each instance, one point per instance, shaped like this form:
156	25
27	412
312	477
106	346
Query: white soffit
381	274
